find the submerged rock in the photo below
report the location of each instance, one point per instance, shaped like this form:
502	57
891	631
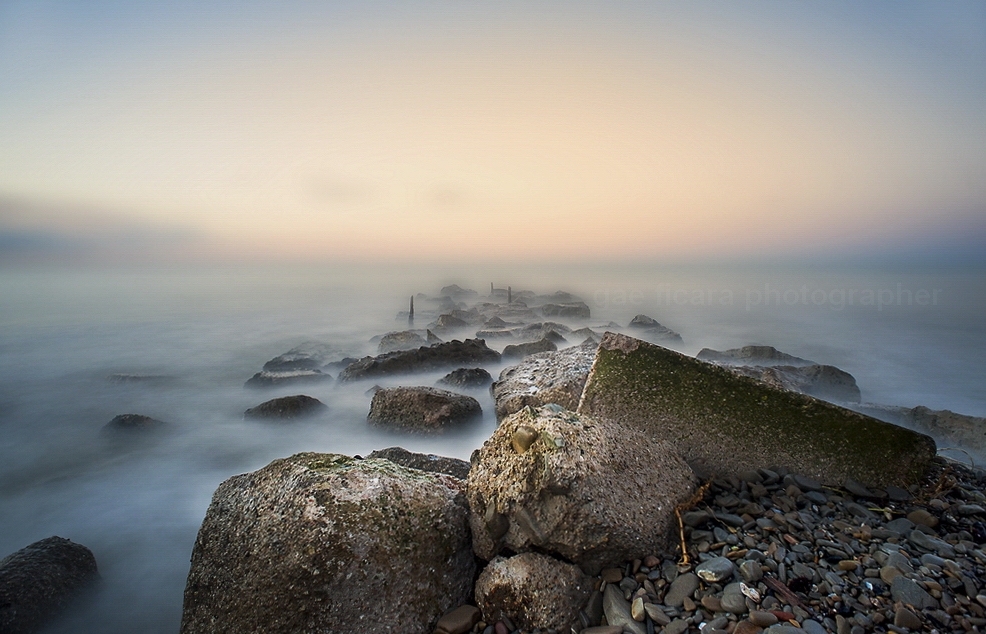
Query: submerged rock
274	379
133	423
534	591
286	407
403	340
730	424
571	310
494	333
751	355
575	491
520	350
327	543
143	379
421	409
949	429
448	322
425	462
648	328
40	580
548	329
547	377
310	355
821	381
454	290
437	357
468	378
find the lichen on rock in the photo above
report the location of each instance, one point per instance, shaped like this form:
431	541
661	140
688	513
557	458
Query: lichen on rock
575	491
301	545
729	423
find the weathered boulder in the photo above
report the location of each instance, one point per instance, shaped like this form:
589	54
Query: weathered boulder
266	378
958	429
286	408
341	364
520	350
127	424
403	340
425	462
421	409
446	322
41	579
454	290
550	329
437	357
512	313
826	382
642	322
494	333
534	591
582	334
327	543
728	423
649	329
553	481
310	355
946	427
495	322
559	297
547	377
571	310
751	355
469	378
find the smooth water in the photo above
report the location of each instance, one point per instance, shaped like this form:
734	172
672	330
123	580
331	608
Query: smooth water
914	338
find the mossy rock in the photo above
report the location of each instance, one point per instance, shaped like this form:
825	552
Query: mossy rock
727	423
304	543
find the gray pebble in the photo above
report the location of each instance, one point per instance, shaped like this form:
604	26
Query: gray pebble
684	586
908	591
715	570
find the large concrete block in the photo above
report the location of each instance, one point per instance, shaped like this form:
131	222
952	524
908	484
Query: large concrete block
727	423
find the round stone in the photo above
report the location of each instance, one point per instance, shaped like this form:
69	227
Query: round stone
715	570
923	517
762	619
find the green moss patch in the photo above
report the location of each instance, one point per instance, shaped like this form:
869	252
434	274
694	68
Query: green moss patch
730	422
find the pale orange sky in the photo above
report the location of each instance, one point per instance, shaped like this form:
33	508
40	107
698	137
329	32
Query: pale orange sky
444	130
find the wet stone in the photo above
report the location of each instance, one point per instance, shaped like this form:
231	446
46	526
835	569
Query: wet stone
762	619
811	626
926	542
901	525
923	517
715	570
681	588
905	618
908	591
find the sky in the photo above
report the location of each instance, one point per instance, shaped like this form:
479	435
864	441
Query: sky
367	131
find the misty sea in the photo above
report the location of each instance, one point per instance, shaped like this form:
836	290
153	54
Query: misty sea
910	337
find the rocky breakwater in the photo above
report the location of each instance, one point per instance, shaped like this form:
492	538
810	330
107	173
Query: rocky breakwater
723	423
328	543
546	377
302	364
555	482
421	409
448	355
